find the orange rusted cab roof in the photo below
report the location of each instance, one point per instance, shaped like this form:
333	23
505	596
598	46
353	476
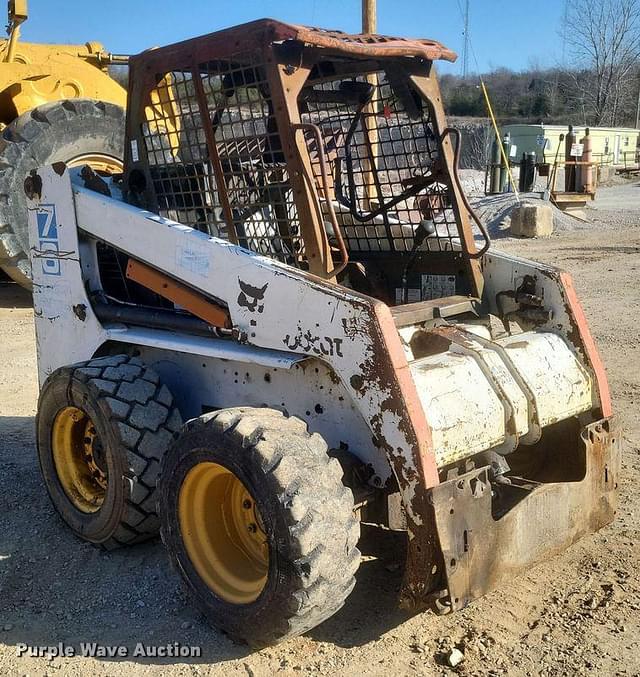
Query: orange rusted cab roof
365	44
267	31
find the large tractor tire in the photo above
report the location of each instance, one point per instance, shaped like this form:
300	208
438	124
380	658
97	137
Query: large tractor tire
256	518
77	132
103	428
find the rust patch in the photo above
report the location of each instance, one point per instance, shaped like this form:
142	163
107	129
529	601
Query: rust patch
393	376
94	181
33	185
80	311
357	382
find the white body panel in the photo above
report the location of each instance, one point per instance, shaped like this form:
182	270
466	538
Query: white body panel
560	385
304	389
473	402
459	426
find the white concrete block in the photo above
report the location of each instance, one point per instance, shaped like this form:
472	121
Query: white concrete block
530	219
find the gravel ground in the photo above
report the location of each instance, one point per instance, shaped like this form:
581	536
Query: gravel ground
614	207
575	614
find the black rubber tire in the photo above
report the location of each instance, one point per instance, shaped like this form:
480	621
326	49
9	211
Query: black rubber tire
53	132
136	420
307	512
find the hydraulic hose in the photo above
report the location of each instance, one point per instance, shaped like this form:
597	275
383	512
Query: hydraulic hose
456	178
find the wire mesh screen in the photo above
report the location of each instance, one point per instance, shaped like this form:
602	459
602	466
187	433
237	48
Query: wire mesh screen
235	104
381	146
178	156
215	159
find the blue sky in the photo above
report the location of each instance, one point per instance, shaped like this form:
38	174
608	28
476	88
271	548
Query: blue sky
503	32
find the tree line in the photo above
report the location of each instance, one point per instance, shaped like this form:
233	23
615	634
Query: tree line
598	83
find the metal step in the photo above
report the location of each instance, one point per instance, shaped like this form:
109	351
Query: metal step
415	313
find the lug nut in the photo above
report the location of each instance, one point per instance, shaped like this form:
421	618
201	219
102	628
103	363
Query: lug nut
246	504
252	528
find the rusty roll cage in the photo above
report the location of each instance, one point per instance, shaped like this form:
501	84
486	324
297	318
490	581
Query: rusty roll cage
173	89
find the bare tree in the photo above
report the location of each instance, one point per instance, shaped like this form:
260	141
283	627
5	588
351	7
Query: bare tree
603	37
480	146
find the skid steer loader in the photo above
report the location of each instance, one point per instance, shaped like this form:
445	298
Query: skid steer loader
294	274
57	103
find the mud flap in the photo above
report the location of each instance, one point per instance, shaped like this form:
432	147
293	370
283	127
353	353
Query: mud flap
480	550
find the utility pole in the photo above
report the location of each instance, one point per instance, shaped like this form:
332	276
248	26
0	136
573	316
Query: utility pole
369	25
369	19
465	47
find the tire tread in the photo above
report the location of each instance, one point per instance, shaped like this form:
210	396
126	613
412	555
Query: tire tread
318	508
139	520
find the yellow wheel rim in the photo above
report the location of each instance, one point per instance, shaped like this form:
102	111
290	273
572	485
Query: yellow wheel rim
78	459
223	533
99	162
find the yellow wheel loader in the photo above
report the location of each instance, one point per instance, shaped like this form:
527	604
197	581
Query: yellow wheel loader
57	103
279	323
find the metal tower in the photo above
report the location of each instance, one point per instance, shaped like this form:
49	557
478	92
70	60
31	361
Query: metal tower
465	47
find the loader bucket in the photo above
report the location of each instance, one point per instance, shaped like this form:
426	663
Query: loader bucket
481	549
